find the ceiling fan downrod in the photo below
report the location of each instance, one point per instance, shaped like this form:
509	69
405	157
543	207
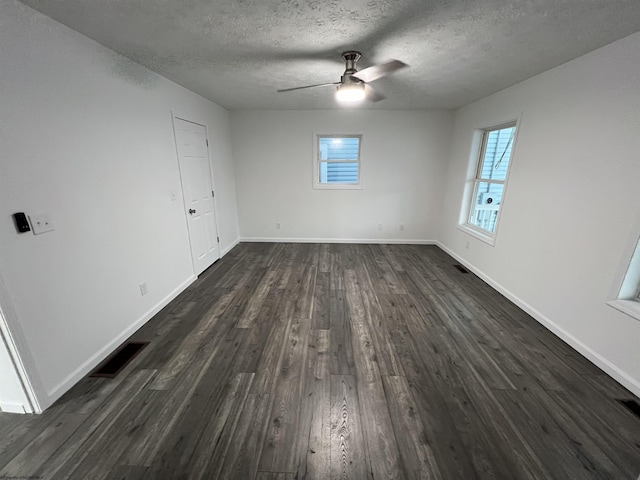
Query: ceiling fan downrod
351	58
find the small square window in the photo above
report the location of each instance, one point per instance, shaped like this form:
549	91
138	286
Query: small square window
490	182
337	161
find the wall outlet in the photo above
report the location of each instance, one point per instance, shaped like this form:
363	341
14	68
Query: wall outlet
402	227
41	223
278	226
144	288
379	226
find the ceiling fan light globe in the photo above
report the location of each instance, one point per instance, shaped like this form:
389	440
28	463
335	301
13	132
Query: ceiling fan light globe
351	93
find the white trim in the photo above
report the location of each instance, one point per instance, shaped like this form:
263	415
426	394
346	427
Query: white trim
337	186
628	307
19	352
339	240
229	248
79	373
315	180
476	157
594	357
625	291
27	400
478	233
14	408
213	190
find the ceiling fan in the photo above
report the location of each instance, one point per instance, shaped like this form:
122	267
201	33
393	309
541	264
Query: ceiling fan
353	85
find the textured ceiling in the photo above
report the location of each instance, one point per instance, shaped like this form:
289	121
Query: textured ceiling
239	52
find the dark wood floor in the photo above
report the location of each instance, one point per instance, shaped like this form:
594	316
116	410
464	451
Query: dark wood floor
292	361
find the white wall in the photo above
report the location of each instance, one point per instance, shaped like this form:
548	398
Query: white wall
572	207
87	137
403	161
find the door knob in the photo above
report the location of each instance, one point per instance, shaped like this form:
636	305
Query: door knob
192	211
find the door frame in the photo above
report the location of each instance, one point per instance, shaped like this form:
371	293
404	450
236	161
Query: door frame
12	339
185	118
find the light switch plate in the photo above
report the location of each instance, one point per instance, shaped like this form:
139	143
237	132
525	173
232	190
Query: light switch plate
41	223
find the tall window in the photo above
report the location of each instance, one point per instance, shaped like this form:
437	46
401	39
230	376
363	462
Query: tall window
491	179
630	289
337	161
628	298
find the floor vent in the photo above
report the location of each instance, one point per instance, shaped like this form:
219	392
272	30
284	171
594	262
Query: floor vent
461	268
632	405
119	359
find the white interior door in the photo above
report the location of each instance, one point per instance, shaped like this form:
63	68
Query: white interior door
193	157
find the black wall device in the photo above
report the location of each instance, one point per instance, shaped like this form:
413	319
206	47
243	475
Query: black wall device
22	224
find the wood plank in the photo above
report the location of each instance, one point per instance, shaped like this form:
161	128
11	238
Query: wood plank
431	393
183	356
382	449
164	347
127	472
274	476
245	449
96	427
506	448
166	411
336	276
553	437
255	301
174	455
279	453
250	353
321	316
341	349
304	300
609	438
220	431
348	458
386	356
314	441
37	453
324	259
418	459
272	356
380	271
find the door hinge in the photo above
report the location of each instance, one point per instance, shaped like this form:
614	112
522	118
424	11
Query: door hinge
207	140
218	238
213	194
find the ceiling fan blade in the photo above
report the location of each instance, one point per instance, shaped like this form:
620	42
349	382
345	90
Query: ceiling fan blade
308	86
372	95
375	72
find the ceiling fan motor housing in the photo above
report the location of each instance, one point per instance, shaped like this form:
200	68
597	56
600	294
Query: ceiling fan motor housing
351	58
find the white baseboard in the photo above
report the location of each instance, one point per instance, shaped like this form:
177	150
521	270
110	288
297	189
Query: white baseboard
229	248
8	407
594	357
339	240
14	408
75	376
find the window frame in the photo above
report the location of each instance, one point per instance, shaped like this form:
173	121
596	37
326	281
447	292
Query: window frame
316	163
626	295
474	178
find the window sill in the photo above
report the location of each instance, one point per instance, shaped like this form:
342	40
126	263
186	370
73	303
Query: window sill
628	307
337	187
479	234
